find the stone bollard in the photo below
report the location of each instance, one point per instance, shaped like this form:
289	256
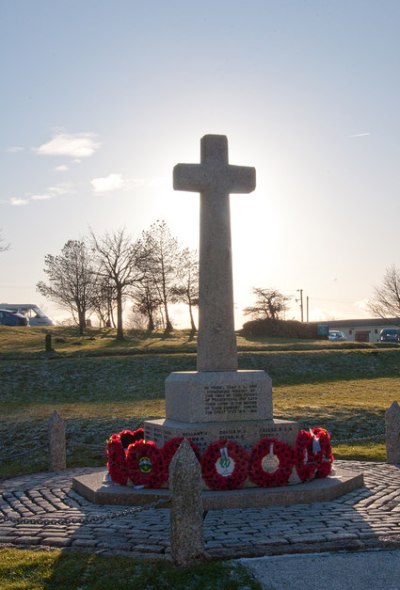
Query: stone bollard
47	341
185	482
392	427
57	446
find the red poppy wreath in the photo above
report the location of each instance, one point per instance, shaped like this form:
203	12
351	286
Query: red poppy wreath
116	460
145	464
271	463
224	465
306	460
128	437
323	450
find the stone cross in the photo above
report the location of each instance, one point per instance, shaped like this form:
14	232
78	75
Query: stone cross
214	178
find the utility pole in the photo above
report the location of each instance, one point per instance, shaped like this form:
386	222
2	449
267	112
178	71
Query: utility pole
307	308
301	303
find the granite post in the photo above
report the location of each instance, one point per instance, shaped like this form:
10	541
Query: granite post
185	483
57	445
392	427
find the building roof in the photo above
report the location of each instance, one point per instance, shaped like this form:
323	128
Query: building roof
361	323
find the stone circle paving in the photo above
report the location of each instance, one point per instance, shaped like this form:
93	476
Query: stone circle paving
42	510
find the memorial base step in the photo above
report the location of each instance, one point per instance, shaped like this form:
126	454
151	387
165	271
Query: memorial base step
93	487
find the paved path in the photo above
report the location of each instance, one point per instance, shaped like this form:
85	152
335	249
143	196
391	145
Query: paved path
375	569
42	510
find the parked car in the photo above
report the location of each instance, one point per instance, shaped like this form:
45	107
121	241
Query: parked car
389	335
35	316
336	335
12	318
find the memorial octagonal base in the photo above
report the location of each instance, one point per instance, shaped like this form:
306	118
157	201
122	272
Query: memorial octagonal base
93	488
244	432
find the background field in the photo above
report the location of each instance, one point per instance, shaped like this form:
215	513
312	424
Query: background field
101	386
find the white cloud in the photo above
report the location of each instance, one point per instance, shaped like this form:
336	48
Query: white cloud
15	149
52	191
62	168
61	189
366	134
112	182
17	201
74	145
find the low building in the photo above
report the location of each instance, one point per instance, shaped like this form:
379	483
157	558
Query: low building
364	330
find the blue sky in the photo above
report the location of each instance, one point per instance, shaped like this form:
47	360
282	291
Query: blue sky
100	99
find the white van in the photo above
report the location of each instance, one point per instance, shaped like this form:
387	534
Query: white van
31	311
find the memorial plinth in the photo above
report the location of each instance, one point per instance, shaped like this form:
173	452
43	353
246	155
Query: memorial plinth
219	395
208	406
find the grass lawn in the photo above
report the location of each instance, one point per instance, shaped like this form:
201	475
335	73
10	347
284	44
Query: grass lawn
101	386
38	570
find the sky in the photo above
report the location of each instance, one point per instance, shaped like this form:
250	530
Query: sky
101	98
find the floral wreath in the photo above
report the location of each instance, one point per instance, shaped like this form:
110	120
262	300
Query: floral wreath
116	460
171	446
323	449
306	455
128	436
224	465
271	463
145	464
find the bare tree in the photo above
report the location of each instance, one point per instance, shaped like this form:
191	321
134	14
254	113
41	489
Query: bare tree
3	247
72	280
118	261
104	301
146	302
187	288
163	257
386	299
270	304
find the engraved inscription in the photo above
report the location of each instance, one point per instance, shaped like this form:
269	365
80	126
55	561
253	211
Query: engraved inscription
231	399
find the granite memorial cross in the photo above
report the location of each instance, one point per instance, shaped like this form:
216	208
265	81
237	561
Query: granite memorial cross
216	401
214	178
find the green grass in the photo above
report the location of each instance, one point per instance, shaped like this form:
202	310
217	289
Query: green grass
38	570
102	386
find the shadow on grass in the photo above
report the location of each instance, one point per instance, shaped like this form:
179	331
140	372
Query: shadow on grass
70	571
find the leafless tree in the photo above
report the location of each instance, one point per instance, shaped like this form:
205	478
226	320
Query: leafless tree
270	304
71	280
386	299
3	247
162	251
146	302
187	288
104	301
118	261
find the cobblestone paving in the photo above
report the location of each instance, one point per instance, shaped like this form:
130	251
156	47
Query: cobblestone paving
43	510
